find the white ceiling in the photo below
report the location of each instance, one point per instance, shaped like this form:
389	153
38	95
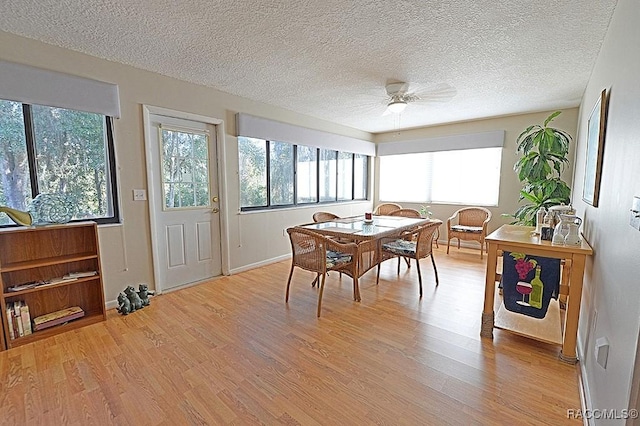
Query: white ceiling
332	58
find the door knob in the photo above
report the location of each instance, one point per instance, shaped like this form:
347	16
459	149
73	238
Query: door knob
215	210
215	199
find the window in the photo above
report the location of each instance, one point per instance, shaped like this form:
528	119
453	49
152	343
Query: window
360	176
470	176
281	173
345	176
278	174
252	156
307	175
328	189
185	168
55	150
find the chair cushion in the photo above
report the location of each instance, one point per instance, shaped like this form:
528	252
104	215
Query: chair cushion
463	228
401	247
336	258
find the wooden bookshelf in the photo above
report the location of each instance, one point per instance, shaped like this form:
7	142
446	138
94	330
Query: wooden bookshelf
43	253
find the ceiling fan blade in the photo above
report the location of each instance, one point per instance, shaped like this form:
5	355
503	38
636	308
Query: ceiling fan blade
441	92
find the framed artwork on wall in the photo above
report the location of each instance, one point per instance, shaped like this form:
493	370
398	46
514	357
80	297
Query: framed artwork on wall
595	147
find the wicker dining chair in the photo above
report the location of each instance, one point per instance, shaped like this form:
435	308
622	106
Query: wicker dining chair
416	214
317	253
469	223
412	245
386	208
324	217
406	213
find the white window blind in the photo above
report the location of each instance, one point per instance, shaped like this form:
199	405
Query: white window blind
444	143
262	128
470	177
36	86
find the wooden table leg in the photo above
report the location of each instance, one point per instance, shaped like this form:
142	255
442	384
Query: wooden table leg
486	329
569	338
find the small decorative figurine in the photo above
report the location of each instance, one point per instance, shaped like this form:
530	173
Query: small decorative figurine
144	293
44	209
136	302
125	304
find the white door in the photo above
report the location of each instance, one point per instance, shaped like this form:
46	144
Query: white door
184	200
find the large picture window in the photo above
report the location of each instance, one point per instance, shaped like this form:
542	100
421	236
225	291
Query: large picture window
55	150
278	174
469	176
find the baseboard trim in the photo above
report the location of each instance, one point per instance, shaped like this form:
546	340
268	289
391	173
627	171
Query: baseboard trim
583	384
259	264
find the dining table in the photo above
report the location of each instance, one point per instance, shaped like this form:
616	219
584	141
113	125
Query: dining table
367	234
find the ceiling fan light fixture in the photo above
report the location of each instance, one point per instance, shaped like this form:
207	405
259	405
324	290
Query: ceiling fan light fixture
397	106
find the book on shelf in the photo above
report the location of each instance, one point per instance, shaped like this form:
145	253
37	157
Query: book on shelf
26	319
12	334
18	319
18	316
57	317
83	274
71	276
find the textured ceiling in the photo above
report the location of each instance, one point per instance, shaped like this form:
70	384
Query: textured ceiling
331	59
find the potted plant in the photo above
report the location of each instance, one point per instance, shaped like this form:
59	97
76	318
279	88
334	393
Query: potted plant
544	152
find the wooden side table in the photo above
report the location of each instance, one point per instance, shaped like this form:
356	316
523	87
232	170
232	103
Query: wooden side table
520	239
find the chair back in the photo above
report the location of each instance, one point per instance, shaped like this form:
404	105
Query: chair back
473	216
406	213
324	217
424	241
308	249
386	208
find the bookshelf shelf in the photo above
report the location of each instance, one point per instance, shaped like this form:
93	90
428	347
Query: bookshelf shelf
42	254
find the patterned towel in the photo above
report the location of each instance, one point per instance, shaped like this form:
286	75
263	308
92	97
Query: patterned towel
335	258
401	247
529	282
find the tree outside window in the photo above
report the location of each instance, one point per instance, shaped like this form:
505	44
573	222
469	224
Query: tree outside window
55	150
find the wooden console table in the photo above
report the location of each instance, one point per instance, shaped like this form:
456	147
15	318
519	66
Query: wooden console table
520	239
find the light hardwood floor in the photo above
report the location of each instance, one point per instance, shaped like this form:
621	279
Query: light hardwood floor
230	351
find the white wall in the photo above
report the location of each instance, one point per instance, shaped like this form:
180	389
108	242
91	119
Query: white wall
612	277
509	184
125	249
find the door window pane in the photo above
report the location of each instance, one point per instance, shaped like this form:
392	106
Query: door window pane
281	173
252	155
345	176
307	174
15	184
71	158
185	168
360	176
328	164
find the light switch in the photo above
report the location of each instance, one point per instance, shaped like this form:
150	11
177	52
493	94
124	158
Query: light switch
602	351
139	194
634	215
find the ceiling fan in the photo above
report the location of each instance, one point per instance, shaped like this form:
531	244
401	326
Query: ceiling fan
399	96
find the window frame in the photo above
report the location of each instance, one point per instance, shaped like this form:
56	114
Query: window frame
110	158
295	203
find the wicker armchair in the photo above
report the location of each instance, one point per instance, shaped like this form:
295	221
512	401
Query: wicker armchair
469	223
416	214
324	217
406	213
386	208
412	245
317	253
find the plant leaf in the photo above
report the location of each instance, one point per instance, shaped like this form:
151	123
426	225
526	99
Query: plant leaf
551	117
